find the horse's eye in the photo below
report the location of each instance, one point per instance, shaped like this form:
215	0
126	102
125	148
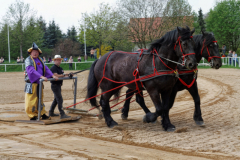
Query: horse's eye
210	45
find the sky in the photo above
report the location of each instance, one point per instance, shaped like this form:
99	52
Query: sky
67	13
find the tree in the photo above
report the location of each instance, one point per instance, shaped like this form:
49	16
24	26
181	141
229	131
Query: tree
53	34
151	19
98	25
33	33
223	21
178	13
72	34
201	21
3	41
17	16
143	18
67	47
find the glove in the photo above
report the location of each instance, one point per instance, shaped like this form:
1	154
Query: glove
70	75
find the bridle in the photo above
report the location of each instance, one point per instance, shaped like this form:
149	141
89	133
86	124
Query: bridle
209	56
183	55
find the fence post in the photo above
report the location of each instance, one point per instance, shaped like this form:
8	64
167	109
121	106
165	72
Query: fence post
75	92
238	61
22	67
235	62
5	68
40	99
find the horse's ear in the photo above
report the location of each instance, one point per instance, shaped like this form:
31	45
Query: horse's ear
203	33
192	31
179	29
187	28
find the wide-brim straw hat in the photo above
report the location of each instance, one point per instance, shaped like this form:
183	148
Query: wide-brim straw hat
57	57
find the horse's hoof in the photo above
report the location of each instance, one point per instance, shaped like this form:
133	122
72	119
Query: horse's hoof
124	117
100	116
145	119
149	117
112	124
154	122
200	123
171	129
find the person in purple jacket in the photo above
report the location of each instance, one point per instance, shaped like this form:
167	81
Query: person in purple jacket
35	70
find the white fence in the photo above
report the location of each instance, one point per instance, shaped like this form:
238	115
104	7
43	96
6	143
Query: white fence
74	64
230	61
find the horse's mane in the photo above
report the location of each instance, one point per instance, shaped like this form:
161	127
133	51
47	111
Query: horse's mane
198	39
169	38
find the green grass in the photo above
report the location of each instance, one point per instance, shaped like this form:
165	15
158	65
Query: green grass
223	66
65	66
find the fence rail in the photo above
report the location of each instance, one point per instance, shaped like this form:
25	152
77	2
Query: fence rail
229	61
21	66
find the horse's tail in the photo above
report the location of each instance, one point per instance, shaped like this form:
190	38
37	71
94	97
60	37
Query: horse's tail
92	86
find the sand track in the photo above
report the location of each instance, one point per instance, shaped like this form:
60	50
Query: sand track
89	138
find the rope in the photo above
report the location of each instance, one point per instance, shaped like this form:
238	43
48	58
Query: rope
135	73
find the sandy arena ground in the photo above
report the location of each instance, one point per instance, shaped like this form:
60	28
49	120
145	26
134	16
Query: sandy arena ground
89	138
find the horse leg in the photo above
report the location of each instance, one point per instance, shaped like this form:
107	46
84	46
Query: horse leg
125	109
141	102
173	96
104	102
152	117
166	123
197	113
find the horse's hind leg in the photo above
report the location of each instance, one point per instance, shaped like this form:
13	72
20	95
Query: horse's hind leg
152	117
139	100
197	113
104	102
125	109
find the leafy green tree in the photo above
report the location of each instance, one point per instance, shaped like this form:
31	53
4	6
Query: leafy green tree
33	33
98	25
196	24
223	21
17	16
4	41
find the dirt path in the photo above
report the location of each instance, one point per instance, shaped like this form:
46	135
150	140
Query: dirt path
89	138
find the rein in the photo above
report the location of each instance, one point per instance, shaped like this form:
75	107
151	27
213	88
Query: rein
79	71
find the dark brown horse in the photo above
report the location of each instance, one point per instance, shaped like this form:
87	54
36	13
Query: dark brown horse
115	69
205	46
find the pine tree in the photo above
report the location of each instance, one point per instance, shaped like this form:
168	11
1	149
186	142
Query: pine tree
201	21
53	34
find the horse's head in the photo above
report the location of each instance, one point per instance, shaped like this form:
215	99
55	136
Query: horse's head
184	47
210	50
